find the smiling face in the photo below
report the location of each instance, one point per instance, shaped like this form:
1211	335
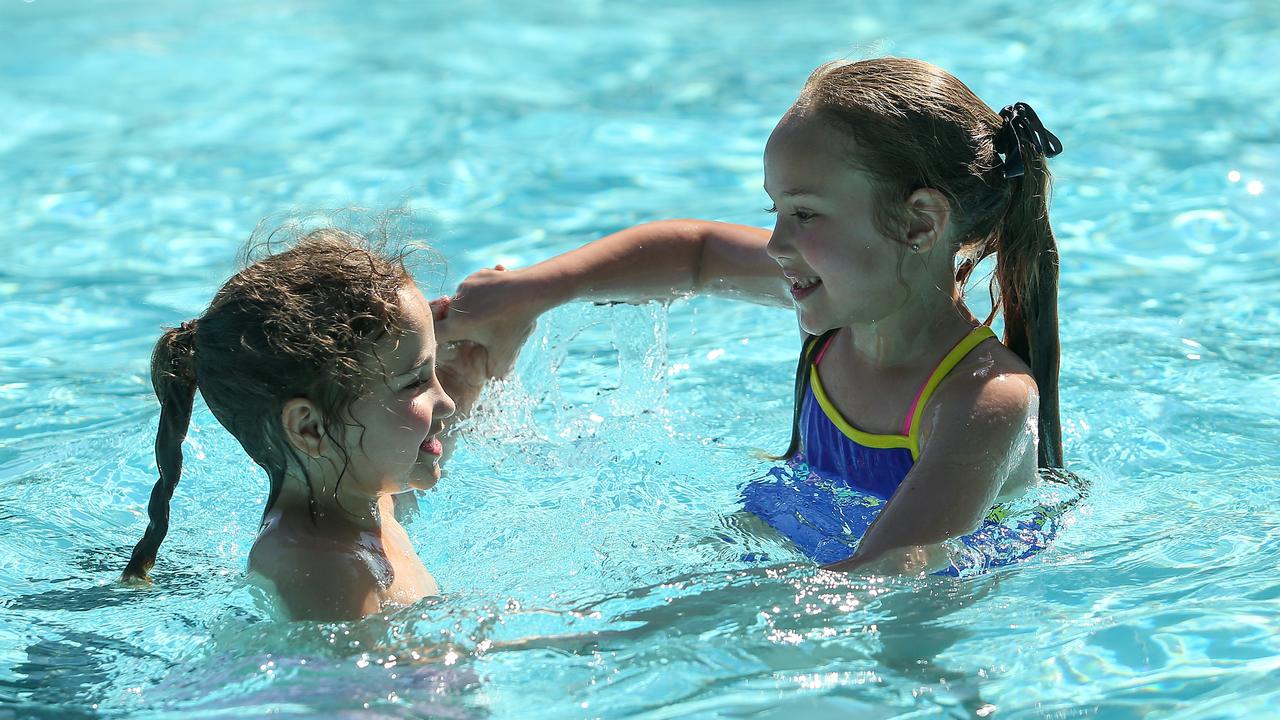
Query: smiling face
843	270
401	409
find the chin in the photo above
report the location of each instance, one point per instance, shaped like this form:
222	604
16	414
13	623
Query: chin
813	325
427	482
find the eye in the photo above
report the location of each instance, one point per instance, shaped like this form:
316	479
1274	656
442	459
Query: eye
771	209
803	215
421	382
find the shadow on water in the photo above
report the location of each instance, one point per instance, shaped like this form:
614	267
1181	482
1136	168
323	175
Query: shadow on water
70	672
796	638
26	711
780	627
240	685
67	674
178	578
414	662
251	668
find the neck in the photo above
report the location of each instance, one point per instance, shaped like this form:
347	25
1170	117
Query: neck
911	334
353	510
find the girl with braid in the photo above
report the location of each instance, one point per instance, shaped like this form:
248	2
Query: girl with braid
891	181
322	362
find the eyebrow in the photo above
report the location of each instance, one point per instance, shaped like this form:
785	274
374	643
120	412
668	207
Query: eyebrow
794	192
428	360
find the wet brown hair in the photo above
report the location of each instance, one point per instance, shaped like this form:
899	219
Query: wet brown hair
916	126
297	323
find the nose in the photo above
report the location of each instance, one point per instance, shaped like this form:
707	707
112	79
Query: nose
779	245
444	407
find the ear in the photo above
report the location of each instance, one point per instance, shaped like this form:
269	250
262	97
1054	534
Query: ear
930	216
303	426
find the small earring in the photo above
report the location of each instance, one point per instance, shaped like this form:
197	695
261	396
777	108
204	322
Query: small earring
915	247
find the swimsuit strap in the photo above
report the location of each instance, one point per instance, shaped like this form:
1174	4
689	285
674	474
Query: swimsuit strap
910	437
867	440
911	428
803	367
823	350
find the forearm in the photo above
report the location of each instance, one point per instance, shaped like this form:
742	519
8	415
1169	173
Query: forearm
646	262
497	308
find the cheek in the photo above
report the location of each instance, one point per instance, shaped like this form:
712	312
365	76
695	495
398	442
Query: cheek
393	423
817	246
417	413
838	251
877	253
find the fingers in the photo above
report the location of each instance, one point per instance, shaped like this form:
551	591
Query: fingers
464	359
446	333
480	310
475	359
502	356
462	371
440	307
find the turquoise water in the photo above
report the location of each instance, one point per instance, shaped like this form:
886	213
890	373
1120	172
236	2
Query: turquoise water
575	538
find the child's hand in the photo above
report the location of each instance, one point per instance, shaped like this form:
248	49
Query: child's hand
488	308
462	367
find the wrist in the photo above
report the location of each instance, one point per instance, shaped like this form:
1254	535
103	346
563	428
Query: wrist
543	288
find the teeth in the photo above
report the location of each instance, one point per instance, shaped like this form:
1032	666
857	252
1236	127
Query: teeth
800	284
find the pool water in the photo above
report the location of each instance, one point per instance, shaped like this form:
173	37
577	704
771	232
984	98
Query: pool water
579	537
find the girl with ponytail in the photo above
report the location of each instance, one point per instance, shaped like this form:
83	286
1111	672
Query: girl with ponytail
891	181
322	362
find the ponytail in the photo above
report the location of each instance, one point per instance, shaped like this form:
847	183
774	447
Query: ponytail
174	379
1027	273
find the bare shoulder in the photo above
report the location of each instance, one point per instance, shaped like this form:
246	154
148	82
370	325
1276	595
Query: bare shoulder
985	405
314	579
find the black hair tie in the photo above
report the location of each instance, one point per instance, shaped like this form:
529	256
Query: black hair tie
1021	124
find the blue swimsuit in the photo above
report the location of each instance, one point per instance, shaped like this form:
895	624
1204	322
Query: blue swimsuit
839	480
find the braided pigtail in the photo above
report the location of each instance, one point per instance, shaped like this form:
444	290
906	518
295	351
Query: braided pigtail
174	379
1027	265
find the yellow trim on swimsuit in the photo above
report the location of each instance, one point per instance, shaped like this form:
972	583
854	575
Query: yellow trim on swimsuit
861	437
911	440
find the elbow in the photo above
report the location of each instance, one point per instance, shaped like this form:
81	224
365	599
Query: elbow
698	237
693	237
687	238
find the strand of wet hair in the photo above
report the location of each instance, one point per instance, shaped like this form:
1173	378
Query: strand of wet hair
174	380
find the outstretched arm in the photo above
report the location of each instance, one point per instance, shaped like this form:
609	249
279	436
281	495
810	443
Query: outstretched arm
497	308
665	259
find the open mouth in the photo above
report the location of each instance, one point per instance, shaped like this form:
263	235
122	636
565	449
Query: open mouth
804	287
432	446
